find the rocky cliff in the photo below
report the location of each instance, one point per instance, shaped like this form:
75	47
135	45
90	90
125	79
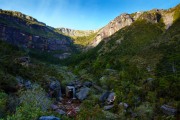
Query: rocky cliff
76	33
25	31
154	16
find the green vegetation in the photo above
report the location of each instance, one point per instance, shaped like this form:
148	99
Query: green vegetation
85	40
145	59
140	63
30	25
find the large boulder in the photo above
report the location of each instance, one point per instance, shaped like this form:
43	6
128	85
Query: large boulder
70	92
49	118
55	89
111	98
23	83
61	112
104	96
168	110
83	93
108	107
87	84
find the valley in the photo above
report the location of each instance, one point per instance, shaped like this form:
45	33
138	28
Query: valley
128	69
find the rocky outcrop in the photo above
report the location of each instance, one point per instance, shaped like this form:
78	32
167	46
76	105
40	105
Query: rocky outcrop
20	16
153	16
76	33
27	32
115	25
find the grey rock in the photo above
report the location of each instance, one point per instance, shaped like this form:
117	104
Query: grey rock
70	92
150	79
87	84
104	96
54	85
111	98
115	25
54	107
83	93
26	39
20	81
168	110
108	107
49	118
71	32
61	112
125	105
55	88
28	84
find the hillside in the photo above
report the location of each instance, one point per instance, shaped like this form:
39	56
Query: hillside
140	64
131	72
26	32
127	19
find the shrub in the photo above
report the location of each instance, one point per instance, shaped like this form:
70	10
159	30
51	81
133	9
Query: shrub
3	99
90	111
145	111
34	103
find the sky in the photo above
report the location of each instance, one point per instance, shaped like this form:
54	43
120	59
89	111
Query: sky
82	14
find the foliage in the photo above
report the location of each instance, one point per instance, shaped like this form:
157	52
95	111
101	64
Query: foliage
145	111
3	102
84	40
34	103
90	112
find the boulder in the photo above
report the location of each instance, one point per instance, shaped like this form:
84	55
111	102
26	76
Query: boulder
20	81
28	84
108	107
61	112
87	84
169	110
83	93
125	105
54	107
55	89
49	118
70	92
54	85
111	98
104	96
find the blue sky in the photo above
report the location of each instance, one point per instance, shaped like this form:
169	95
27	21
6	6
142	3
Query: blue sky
82	14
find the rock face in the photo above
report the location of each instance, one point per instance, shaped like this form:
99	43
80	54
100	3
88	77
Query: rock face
76	33
118	23
115	25
25	31
168	19
153	16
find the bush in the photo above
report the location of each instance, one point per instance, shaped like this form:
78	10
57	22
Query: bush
34	103
145	111
3	99
90	111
